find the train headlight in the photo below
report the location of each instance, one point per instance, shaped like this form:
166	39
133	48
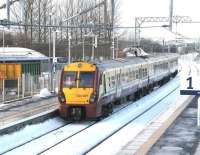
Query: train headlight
92	97
61	97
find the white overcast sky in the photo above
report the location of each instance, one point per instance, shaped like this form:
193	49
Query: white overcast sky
142	8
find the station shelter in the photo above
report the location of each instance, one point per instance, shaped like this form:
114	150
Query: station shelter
16	61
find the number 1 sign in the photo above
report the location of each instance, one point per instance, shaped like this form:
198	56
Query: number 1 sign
191	91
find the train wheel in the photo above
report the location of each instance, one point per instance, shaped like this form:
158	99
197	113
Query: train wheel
105	111
137	95
110	107
140	93
123	100
131	97
117	102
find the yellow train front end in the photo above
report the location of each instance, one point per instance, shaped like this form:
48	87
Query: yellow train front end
77	94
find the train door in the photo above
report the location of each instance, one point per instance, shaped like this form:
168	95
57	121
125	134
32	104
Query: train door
118	85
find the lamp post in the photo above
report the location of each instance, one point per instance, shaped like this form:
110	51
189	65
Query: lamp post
50	35
83	47
92	48
94	43
117	47
54	59
113	46
69	47
54	49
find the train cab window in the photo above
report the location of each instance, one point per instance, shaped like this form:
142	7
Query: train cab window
69	79
86	79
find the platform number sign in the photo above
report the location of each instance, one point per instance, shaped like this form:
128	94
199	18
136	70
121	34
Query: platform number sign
190	83
192	91
189	88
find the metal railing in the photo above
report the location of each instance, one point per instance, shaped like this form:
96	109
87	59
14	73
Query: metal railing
28	85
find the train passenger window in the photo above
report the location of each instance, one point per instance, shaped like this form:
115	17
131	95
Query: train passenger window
113	81
133	75
146	72
109	82
127	77
86	79
140	73
69	79
137	74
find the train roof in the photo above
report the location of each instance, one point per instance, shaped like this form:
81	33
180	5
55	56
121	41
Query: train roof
20	54
108	64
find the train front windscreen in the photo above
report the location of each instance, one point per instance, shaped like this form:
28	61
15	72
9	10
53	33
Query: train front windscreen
78	86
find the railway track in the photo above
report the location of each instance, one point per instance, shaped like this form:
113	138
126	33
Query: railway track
26	112
71	128
131	121
86	133
7	105
111	126
33	139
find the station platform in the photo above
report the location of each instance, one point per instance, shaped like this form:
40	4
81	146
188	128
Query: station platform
173	132
19	110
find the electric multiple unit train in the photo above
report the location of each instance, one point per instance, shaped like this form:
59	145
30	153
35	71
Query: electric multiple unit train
89	89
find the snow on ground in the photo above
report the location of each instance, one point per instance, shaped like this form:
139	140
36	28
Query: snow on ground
29	132
49	140
81	143
43	93
2	105
121	138
56	90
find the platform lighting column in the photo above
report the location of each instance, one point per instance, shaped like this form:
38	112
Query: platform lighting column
93	38
69	48
50	51
113	46
54	49
50	35
94	44
49	43
117	47
83	47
